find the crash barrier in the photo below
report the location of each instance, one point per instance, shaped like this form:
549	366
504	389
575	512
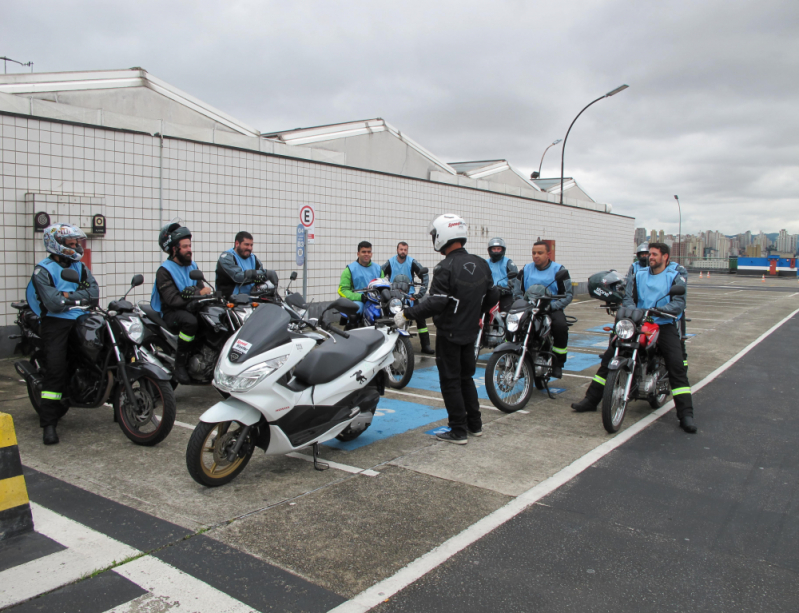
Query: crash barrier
15	508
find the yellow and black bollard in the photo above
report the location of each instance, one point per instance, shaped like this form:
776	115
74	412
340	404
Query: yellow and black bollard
15	509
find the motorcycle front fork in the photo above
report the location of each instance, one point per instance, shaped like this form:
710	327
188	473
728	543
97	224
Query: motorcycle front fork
632	374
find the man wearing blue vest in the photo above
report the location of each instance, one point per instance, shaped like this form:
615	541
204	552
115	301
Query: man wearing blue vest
650	288
500	266
358	274
541	271
401	264
234	262
47	294
173	291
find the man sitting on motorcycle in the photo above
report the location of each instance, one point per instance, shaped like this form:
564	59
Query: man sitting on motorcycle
358	274
234	262
541	271
401	264
501	266
173	291
641	262
47	293
647	289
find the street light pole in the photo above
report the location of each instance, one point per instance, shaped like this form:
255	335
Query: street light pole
563	149
679	231
545	152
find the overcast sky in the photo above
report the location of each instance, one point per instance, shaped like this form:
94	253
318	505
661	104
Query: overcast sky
712	112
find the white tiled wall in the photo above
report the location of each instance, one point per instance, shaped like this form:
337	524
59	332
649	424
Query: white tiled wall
76	171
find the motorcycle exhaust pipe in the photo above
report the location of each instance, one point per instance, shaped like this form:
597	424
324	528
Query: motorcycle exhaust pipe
27	371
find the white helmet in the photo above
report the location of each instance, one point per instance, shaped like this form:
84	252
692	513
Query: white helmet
448	228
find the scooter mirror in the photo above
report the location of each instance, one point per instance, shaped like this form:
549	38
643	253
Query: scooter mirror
677	290
561	275
423	270
68	274
293	275
342	305
196	275
137	280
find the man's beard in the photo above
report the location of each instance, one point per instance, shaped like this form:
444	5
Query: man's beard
184	260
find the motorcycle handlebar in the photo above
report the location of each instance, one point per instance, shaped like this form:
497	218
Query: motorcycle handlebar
662	314
339	332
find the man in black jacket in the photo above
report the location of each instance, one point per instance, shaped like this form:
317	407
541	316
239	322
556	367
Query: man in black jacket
462	290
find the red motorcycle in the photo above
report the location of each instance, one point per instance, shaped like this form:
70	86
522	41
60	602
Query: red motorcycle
638	369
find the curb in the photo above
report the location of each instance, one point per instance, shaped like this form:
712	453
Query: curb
15	508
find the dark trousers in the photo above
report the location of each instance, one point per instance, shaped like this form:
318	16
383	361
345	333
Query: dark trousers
682	340
55	333
671	349
182	323
560	337
456	367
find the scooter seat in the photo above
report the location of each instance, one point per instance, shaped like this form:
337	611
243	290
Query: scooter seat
331	360
153	314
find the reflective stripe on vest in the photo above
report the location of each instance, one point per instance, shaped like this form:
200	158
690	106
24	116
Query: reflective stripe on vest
362	275
546	277
54	268
405	268
180	275
653	290
499	271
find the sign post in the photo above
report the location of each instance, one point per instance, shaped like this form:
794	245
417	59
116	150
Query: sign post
301	254
305	233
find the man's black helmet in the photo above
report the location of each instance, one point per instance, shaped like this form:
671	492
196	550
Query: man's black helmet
496	242
607	286
171	234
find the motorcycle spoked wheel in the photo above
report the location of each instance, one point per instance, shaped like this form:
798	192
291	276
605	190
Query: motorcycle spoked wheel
614	406
149	421
507	396
206	453
658	400
400	372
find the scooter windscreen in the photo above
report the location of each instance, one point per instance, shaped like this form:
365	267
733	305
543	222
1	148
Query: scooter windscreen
265	329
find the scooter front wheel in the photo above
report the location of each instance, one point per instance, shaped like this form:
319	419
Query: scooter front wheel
401	371
207	451
614	404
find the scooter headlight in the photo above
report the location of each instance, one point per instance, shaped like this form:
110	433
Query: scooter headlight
395	305
249	378
512	322
625	329
133	327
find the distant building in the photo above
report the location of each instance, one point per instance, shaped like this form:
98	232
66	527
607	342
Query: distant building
640	236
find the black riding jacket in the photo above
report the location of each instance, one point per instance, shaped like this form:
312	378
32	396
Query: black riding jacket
462	290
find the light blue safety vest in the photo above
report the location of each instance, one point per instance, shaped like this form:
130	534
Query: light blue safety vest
249	264
499	271
180	275
652	288
54	268
401	269
533	276
361	275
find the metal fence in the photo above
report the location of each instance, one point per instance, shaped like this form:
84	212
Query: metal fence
697	264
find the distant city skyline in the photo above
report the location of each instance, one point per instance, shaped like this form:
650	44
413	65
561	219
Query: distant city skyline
715	244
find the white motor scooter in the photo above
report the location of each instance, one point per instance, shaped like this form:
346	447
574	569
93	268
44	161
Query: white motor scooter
289	384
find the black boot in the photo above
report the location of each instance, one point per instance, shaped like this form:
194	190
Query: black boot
181	357
687	423
584	406
557	372
424	339
50	436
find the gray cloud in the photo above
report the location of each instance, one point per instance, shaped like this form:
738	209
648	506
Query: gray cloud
710	113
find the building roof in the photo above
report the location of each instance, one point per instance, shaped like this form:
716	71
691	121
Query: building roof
486	168
552	186
93	80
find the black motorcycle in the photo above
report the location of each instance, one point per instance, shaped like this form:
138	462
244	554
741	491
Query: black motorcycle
524	362
218	318
111	362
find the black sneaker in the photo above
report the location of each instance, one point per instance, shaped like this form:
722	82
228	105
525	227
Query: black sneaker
448	437
478	432
584	406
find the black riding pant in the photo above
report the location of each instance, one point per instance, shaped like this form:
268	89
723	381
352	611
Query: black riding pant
671	349
183	323
456	368
560	337
55	334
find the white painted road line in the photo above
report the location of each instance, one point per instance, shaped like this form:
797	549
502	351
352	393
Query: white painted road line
347	469
173	590
184	425
379	592
578	376
87	551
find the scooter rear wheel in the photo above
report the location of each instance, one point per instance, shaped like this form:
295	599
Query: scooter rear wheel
206	453
614	405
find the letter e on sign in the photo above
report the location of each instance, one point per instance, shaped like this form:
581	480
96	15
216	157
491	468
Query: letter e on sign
308	219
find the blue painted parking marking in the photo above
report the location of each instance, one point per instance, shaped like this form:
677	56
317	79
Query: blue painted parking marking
427	379
554	390
588	341
581	361
391	418
440	430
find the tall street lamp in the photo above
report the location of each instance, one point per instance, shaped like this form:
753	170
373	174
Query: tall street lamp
535	175
563	149
679	231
